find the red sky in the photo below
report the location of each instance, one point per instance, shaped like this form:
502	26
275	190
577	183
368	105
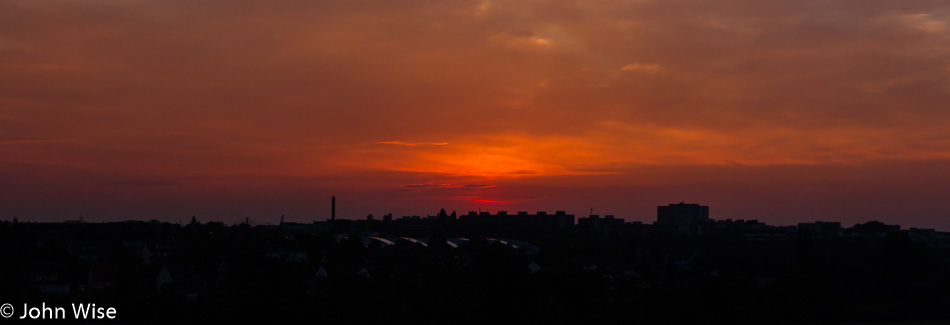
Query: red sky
782	111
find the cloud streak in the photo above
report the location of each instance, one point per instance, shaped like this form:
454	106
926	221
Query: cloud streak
413	144
447	186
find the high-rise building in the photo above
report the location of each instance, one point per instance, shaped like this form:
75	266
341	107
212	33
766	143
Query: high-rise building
682	213
682	218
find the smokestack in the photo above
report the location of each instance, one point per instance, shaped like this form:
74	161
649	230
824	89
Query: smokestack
332	208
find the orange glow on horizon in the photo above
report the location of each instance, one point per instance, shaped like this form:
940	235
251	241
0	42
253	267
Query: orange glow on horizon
604	153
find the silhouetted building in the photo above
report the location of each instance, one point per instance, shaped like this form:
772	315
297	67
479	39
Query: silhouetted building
442	216
682	212
542	219
595	222
164	272
822	229
682	218
872	229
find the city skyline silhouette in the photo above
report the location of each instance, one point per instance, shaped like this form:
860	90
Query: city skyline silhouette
479	267
601	161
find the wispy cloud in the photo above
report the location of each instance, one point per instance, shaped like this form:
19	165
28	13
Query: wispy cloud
452	186
412	144
642	67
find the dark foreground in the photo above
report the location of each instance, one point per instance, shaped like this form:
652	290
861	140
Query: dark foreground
340	273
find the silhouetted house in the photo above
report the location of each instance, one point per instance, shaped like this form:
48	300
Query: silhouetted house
318	282
180	279
682	218
363	272
321	273
137	247
163	279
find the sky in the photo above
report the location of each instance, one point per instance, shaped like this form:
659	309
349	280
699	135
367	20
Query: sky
783	111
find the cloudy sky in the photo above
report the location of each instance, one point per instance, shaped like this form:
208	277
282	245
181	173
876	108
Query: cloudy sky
782	111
